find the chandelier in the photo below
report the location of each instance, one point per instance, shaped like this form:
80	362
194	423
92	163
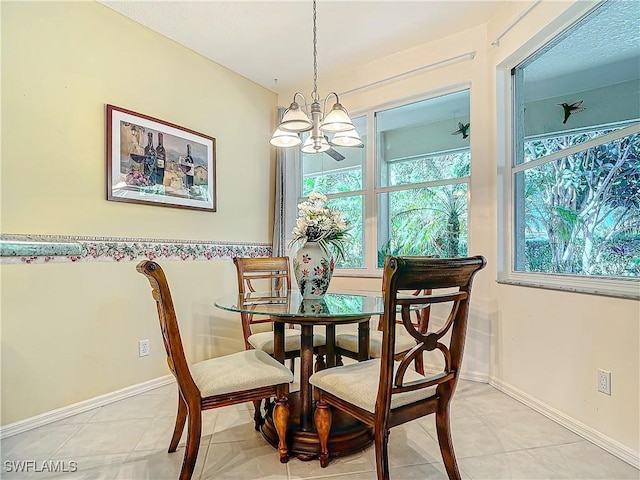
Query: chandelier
296	120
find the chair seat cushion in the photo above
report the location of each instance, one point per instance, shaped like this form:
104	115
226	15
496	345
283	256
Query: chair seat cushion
238	371
264	340
357	383
349	341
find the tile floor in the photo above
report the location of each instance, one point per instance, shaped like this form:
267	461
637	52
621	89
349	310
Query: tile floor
495	437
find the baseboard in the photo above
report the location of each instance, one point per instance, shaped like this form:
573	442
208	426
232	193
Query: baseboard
479	377
606	443
80	407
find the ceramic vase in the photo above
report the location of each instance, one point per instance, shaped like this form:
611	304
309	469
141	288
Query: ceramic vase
313	269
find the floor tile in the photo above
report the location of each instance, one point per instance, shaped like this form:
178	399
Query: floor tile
37	444
100	467
583	460
244	460
104	438
520	465
145	405
483	402
409	444
528	429
357	463
233	424
158	465
472	436
158	435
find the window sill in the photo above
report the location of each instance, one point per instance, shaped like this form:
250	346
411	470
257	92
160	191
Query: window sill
353	273
606	287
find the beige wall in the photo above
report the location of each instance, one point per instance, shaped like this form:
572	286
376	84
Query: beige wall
70	331
545	344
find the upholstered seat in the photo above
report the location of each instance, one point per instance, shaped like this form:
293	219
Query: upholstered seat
238	371
358	384
349	341
264	340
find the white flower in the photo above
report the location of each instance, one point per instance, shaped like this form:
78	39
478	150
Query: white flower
318	223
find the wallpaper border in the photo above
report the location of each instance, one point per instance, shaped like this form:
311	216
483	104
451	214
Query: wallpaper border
34	249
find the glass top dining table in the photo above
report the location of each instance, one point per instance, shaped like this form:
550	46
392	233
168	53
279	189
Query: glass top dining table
334	308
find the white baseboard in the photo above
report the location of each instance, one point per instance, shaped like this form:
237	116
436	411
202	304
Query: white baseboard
80	407
603	441
479	377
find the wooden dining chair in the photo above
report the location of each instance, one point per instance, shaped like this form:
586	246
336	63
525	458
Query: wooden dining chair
240	377
271	274
347	342
384	393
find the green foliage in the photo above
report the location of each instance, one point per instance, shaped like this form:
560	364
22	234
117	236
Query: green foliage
578	204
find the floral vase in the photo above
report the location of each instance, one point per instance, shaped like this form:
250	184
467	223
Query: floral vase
313	269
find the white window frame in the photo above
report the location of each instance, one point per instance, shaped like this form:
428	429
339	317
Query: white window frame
370	191
620	287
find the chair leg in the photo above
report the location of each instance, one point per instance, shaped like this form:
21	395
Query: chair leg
193	442
258	420
281	420
180	419
322	421
446	444
381	439
292	365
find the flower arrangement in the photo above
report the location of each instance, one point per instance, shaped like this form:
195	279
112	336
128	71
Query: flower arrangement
318	223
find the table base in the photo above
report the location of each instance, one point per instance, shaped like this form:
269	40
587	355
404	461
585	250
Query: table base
348	435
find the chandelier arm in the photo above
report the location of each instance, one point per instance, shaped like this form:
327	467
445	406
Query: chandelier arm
324	106
304	100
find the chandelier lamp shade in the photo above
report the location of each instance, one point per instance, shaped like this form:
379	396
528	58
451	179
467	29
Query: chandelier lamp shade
296	120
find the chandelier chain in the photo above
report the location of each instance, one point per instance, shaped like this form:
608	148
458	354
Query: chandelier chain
315	97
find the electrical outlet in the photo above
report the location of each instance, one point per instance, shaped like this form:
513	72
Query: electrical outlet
143	348
604	382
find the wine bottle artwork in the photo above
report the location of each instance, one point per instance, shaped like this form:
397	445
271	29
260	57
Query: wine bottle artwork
161	156
150	156
187	168
153	162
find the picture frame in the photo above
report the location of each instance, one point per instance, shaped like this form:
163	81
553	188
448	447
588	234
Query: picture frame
154	162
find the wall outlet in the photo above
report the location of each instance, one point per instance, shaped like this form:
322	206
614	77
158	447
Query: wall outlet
604	381
143	348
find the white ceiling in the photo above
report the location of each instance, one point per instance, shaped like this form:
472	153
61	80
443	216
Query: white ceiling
268	40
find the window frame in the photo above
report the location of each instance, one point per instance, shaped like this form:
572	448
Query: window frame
370	189
618	287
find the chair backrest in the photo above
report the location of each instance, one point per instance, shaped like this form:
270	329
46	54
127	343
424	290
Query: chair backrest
425	274
262	273
251	270
169	327
422	315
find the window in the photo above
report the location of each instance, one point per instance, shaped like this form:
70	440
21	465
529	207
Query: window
575	173
406	192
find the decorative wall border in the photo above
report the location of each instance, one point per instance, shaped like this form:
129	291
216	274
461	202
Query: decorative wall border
34	249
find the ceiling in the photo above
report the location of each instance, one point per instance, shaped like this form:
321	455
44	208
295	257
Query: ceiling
271	42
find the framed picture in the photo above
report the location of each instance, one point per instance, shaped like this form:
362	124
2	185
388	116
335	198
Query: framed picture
154	162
